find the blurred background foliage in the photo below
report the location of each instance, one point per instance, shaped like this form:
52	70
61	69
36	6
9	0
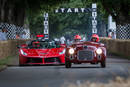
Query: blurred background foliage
67	24
29	13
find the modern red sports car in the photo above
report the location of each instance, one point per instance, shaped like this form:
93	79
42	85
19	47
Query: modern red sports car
85	52
41	52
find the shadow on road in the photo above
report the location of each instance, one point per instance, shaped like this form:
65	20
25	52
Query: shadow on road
85	67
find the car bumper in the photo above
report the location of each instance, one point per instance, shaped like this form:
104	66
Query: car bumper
24	60
95	60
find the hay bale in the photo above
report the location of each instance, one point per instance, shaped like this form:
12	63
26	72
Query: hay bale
9	48
117	46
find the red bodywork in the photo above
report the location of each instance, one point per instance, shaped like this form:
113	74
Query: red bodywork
85	52
41	56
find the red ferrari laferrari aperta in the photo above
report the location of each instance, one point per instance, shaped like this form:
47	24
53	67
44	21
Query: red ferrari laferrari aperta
41	52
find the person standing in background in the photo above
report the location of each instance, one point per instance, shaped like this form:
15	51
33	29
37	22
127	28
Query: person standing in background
17	36
3	34
23	36
62	40
113	35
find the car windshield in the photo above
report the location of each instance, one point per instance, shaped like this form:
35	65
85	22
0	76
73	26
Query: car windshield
43	45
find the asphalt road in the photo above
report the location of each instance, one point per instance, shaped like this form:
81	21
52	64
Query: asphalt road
59	76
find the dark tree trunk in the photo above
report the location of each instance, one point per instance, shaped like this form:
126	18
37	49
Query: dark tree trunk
11	12
120	14
19	16
2	10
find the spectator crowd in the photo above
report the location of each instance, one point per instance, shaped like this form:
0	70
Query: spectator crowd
4	31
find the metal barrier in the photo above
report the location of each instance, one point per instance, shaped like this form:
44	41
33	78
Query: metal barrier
123	31
13	30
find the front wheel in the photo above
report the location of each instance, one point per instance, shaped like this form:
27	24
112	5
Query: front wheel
21	65
68	64
103	64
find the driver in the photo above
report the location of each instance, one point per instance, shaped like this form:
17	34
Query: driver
77	38
95	38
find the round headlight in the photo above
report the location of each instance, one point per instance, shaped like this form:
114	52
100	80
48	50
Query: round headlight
99	51
71	51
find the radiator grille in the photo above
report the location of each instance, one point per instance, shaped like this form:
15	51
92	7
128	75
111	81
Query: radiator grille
85	55
53	59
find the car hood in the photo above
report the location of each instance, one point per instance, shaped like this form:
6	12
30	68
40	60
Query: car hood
87	45
43	52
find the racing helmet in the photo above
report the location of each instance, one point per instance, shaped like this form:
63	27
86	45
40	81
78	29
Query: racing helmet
95	38
77	37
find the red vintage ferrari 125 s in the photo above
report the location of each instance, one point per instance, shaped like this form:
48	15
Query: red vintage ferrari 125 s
85	52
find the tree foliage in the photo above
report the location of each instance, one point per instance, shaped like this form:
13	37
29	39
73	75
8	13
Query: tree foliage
66	23
119	9
16	11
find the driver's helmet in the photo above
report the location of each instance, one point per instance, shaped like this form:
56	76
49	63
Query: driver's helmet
36	44
95	38
77	38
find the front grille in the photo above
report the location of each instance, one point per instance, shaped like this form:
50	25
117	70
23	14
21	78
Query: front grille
51	60
85	55
34	60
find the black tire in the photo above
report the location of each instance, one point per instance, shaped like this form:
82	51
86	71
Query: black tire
103	64
21	65
67	64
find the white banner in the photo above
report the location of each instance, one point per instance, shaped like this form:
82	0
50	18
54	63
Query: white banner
94	14
94	31
46	31
46	26
45	15
72	10
46	23
94	21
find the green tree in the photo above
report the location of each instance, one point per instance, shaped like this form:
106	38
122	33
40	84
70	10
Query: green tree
17	11
66	23
119	9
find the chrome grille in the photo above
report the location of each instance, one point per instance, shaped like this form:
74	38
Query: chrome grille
85	55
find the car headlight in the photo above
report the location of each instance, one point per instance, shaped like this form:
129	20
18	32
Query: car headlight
22	52
62	52
71	51
99	51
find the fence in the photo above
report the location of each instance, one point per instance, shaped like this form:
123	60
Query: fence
13	30
123	32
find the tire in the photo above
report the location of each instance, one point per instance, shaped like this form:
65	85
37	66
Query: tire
103	64
21	65
67	64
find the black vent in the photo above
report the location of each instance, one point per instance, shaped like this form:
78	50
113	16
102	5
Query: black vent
53	59
34	60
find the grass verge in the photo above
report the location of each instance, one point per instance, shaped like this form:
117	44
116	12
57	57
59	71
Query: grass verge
5	61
